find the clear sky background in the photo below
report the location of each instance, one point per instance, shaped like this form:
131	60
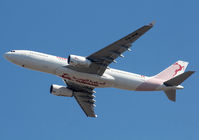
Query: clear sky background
28	111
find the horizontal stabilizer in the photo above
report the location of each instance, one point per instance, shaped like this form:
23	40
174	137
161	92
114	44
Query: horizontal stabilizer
178	79
171	94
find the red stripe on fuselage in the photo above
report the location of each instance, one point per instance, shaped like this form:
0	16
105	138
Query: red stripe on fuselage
82	81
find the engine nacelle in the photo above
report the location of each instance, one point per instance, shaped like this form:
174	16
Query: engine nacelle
75	60
61	91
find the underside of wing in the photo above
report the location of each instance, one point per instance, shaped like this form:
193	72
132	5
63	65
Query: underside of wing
102	58
86	102
85	98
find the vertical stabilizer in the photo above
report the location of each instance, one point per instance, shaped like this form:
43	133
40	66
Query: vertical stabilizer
173	70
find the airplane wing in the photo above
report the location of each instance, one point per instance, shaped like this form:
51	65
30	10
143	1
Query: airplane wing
102	58
84	96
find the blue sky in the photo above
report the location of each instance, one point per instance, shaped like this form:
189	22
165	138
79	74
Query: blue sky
62	27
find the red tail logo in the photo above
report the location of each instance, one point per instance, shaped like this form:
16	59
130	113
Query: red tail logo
179	69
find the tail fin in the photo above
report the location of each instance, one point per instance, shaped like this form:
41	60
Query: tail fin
171	93
172	71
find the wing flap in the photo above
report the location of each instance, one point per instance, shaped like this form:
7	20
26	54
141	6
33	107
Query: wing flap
86	102
84	97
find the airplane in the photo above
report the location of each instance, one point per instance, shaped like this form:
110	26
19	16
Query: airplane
83	74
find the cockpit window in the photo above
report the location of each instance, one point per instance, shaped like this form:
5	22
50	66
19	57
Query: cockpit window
12	51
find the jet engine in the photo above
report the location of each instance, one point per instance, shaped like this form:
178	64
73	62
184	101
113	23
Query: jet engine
61	91
75	60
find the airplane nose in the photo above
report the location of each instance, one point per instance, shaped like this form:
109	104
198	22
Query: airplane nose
8	56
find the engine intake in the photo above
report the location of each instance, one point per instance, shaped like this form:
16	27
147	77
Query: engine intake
75	60
61	91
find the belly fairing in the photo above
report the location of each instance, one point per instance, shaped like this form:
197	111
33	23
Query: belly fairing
85	79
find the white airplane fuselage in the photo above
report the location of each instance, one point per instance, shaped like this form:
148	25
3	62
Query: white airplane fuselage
82	74
111	78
